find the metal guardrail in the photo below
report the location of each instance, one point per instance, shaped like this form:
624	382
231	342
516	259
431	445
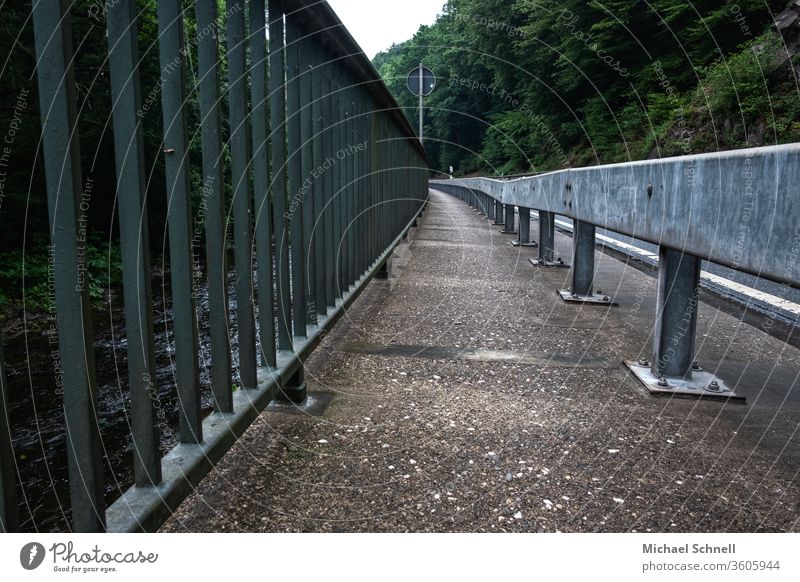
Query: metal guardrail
338	176
699	204
740	209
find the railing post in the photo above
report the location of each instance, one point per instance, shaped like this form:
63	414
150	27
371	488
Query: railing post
547	229
498	212
331	185
509	219
263	205
214	198
294	127
9	521
306	186
176	164
277	108
676	313
582	290
582	259
318	82
490	206
62	166
240	174
524	239
131	198
673	369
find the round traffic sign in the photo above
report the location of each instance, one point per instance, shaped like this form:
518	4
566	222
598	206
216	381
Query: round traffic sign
428	81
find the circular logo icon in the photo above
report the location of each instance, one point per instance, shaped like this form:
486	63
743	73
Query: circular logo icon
31	555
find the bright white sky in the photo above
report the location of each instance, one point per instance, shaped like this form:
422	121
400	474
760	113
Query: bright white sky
376	24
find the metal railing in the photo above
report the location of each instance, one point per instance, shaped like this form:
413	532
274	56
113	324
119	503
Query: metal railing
327	176
740	209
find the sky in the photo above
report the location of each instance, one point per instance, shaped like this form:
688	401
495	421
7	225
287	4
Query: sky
376	24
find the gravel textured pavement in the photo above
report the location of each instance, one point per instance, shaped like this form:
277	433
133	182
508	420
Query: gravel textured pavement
466	396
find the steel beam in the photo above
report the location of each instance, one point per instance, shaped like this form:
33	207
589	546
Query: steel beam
242	204
134	240
64	184
213	193
508	210
277	110
547	245
676	322
524	239
702	204
582	290
261	168
673	369
176	164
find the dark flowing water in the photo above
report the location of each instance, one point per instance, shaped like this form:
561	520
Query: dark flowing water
36	413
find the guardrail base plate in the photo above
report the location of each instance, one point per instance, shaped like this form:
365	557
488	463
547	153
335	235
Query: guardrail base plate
504	231
516	243
593	299
544	263
696	386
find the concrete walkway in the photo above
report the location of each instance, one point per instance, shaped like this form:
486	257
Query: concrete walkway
466	396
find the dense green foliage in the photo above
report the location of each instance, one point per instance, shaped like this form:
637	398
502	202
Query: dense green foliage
528	86
23	201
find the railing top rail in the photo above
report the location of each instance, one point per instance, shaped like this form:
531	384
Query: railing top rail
737	208
319	18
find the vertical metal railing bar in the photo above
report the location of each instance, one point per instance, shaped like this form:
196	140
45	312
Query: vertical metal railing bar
356	251
176	164
214	197
385	189
306	184
9	518
318	189
329	185
341	231
361	172
373	183
295	172
62	164
263	204
131	198
277	90
347	164
336	191
240	174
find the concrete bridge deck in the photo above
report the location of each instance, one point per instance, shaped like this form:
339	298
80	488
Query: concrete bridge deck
466	396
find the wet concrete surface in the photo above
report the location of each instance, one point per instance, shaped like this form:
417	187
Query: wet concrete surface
512	440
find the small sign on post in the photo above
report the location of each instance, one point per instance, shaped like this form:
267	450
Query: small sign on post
421	81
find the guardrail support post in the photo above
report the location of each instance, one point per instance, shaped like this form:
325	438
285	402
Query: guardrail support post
498	212
583	268
383	270
509	219
294	390
673	369
547	223
524	239
490	206
676	320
